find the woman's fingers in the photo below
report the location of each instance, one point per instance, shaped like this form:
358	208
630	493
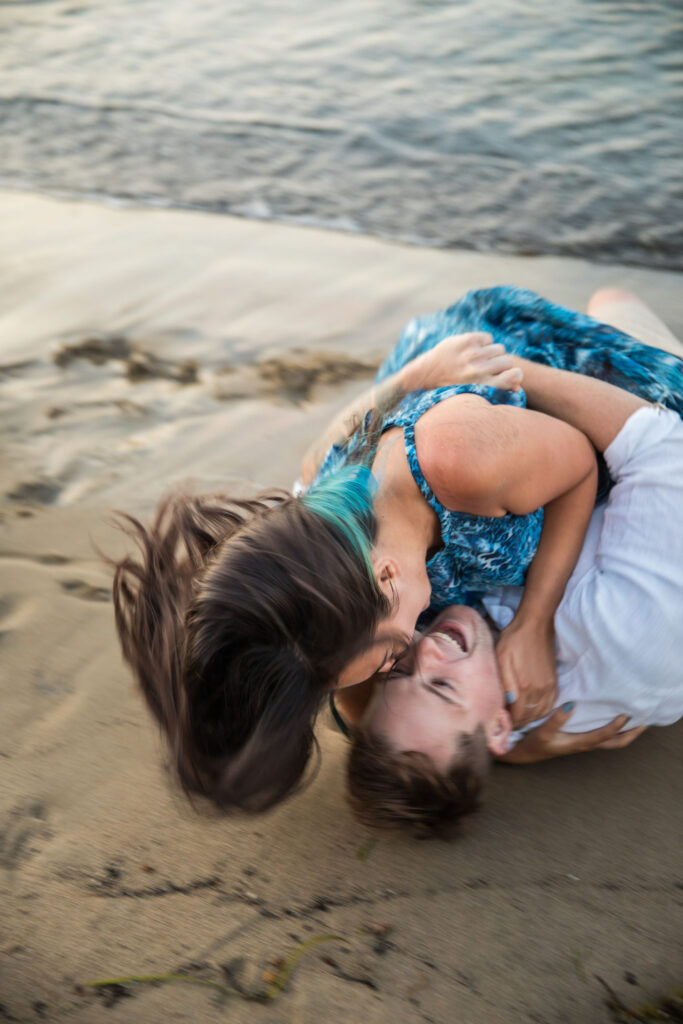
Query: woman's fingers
607	737
489	350
541	743
597	738
553	725
496	364
479	339
622	739
531	707
511	695
475	342
495	368
471	358
542	703
548	740
508	380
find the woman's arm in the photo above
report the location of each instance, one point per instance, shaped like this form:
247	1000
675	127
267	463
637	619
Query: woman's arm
547	740
526	649
489	460
461	359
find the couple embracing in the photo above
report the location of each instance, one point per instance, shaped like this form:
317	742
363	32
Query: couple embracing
457	496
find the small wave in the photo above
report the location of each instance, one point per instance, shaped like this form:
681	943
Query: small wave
153	110
659	249
507	128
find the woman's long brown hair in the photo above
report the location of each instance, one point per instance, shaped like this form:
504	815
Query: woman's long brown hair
236	617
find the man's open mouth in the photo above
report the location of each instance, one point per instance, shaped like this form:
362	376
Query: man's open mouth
452	634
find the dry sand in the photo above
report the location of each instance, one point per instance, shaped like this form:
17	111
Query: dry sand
140	349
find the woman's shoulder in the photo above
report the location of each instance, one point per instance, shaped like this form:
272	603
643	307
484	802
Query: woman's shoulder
411	409
458	444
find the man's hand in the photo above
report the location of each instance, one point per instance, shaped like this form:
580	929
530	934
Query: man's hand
463	359
528	669
547	740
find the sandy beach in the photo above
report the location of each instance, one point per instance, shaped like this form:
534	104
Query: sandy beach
141	349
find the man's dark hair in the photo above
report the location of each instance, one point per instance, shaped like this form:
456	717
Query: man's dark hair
236	618
392	791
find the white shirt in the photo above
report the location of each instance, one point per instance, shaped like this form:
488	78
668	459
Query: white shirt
619	627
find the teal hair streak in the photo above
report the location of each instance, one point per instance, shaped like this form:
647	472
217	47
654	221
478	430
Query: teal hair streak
345	500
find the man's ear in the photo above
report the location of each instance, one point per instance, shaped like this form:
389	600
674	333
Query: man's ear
498	733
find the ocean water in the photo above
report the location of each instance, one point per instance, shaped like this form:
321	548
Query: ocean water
517	125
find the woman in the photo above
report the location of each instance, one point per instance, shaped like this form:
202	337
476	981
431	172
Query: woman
459	572
240	616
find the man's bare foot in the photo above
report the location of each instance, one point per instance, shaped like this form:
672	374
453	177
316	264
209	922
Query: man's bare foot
628	313
608	296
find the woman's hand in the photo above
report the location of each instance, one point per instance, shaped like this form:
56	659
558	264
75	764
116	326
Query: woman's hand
463	359
547	740
526	658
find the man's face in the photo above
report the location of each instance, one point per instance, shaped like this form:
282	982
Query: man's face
450	685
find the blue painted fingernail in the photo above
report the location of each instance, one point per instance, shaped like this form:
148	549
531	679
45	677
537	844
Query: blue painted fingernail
510	697
569	706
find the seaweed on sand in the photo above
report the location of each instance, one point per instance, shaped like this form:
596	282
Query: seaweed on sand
668	1007
269	991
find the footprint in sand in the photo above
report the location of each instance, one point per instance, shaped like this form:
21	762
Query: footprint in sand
22	833
86	591
7	606
12	613
52	559
36	492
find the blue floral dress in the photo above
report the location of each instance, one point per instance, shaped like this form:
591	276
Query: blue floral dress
480	552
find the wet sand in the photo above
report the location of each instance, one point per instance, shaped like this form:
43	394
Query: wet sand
143	349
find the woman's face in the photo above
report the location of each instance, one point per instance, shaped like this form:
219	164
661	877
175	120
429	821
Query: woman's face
409	593
450	685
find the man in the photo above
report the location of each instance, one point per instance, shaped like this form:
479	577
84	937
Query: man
419	756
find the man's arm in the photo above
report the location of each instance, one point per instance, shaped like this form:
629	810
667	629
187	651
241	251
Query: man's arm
489	460
547	740
596	408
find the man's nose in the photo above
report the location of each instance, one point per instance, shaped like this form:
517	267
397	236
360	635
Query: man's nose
430	646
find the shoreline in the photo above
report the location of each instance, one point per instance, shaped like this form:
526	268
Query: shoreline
137	348
308	222
133	335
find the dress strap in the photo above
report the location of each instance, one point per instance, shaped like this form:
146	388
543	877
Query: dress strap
416	470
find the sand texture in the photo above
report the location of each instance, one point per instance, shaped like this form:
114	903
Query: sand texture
143	349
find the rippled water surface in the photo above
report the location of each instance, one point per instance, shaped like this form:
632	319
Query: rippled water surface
521	125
